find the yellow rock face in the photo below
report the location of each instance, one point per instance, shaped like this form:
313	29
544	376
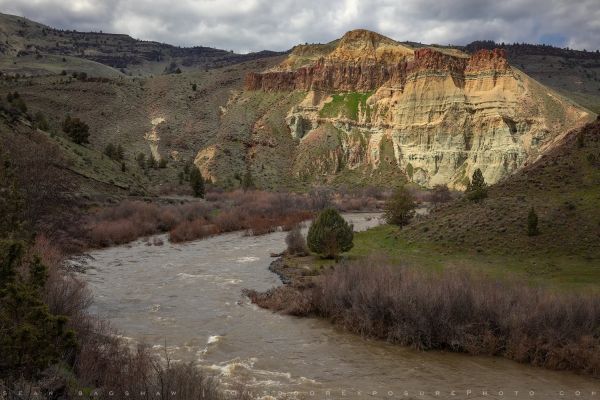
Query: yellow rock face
444	113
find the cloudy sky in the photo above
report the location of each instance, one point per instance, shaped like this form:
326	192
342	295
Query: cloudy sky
252	25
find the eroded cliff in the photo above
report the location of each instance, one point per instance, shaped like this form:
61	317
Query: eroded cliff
432	114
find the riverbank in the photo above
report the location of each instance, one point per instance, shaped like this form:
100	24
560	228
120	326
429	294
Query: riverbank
254	211
442	307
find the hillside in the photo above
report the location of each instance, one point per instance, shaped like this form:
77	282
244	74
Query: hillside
360	110
30	48
162	117
563	187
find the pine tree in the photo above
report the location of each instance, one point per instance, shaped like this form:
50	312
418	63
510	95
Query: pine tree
329	234
197	182
477	188
532	223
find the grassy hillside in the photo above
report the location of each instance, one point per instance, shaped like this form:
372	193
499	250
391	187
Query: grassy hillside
120	110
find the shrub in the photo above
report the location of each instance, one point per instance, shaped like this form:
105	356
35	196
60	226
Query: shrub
41	122
440	194
329	234
477	188
191	230
296	244
400	208
460	312
162	163
197	182
77	130
114	152
532	223
453	310
320	198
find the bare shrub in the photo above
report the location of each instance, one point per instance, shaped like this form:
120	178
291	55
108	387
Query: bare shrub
107	363
285	299
190	230
64	293
320	198
440	194
453	310
460	312
296	243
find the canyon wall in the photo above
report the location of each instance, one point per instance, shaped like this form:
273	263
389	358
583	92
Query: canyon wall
434	114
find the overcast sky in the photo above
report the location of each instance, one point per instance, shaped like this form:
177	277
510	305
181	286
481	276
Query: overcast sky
252	25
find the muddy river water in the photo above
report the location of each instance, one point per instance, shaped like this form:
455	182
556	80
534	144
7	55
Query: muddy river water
188	296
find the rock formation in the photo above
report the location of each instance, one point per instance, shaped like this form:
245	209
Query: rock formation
434	114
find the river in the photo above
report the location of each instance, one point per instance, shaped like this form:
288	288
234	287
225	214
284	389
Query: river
188	296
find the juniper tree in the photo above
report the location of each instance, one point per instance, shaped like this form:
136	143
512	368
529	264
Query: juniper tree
247	181
329	234
78	131
532	223
477	188
197	182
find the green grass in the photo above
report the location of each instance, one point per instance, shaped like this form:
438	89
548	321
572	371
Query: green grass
553	270
346	105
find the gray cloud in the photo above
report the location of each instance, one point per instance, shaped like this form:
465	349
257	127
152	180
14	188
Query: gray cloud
252	25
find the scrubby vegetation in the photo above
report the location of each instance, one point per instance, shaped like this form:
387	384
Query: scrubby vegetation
114	152
452	310
253	211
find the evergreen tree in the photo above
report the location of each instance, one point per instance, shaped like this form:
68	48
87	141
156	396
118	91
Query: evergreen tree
329	234
32	338
11	202
197	182
247	181
532	223
477	188
400	208
141	160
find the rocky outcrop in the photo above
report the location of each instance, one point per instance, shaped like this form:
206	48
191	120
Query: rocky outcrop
347	70
326	75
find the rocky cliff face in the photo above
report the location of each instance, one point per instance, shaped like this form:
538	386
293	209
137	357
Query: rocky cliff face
434	114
